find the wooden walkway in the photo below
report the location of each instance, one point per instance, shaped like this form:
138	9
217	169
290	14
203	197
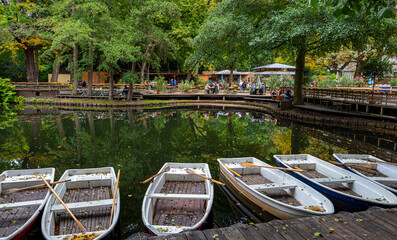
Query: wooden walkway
370	224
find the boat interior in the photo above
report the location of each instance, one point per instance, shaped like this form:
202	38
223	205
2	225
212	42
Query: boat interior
378	171
272	183
179	200
331	176
89	196
18	207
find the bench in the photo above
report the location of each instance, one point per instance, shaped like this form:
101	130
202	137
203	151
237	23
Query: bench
83	205
181	196
332	180
261	187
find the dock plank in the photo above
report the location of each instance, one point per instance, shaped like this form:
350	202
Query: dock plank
268	231
285	230
250	232
232	233
214	234
327	229
371	224
376	221
304	229
195	235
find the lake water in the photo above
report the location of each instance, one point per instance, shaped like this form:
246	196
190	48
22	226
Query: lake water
140	142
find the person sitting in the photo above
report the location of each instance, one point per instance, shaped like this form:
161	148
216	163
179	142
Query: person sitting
254	89
262	89
84	84
125	90
288	95
207	88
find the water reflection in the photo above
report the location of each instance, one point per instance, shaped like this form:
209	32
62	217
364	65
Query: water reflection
139	142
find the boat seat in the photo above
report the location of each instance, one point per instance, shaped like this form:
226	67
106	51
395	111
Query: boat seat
20	204
332	180
24	183
384	179
89	178
269	186
181	196
83	205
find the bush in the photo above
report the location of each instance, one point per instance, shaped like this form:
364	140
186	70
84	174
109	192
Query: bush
160	83
186	85
7	94
393	82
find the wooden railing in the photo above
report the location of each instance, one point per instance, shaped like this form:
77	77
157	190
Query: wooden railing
354	95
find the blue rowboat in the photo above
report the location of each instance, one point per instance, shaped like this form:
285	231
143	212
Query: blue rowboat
372	168
348	191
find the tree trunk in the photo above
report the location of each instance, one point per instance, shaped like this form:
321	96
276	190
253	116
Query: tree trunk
143	71
231	74
111	84
32	64
78	139
60	129
148	71
56	67
99	71
91	123
299	75
359	65
91	69
75	78
129	96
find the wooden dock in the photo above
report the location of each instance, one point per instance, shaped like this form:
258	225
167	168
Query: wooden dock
370	224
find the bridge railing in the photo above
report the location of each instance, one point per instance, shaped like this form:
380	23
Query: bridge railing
354	95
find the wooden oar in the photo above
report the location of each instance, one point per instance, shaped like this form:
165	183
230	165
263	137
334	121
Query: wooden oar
193	172
64	205
235	173
281	168
376	161
365	166
155	175
12	190
114	196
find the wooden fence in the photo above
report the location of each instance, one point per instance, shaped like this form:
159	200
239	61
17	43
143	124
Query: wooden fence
354	95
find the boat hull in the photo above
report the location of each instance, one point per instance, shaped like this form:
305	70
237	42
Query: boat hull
254	208
341	202
273	209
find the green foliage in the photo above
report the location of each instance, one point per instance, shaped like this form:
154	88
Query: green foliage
7	94
393	82
160	83
130	77
341	8
376	67
186	85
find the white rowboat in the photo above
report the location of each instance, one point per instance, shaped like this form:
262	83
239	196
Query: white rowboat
273	190
89	195
345	189
176	200
19	210
382	173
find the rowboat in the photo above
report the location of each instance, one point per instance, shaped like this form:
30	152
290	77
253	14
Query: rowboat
89	195
20	209
372	168
176	200
345	189
272	190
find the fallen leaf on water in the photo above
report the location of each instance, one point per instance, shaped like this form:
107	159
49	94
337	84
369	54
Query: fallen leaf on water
331	229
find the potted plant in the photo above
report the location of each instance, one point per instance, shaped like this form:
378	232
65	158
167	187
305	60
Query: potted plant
160	84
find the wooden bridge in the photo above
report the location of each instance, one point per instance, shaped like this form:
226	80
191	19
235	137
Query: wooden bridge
370	224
